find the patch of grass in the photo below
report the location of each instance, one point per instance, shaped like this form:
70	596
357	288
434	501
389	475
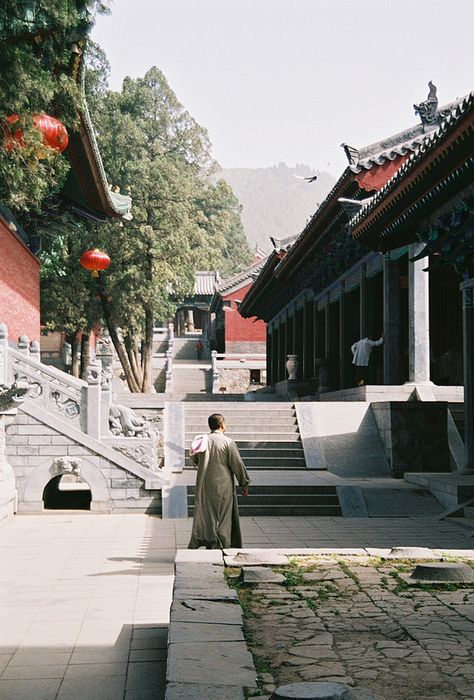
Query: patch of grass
275	603
348	572
293	576
246	598
401	585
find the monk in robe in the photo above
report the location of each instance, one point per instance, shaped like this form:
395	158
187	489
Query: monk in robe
216	514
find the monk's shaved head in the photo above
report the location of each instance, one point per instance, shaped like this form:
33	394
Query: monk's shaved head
215	421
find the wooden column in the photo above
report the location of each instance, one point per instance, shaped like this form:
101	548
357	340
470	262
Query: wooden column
363	301
270	356
392	351
418	317
467	289
342	335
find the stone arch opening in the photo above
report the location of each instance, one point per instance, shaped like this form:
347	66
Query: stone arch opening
65	493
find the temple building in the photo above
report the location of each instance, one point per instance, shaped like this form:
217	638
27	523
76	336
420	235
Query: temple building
428	206
332	288
231	333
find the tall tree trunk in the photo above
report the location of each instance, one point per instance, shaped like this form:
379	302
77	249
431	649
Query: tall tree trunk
75	347
118	345
85	353
131	348
148	351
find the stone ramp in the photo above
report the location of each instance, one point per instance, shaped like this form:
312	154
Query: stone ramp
390	499
343	438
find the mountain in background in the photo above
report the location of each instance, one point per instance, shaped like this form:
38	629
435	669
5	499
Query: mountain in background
274	201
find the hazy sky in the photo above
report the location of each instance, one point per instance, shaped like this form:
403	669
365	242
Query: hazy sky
289	80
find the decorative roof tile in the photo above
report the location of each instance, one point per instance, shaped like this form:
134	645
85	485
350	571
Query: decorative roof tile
429	142
407	141
241	277
205	282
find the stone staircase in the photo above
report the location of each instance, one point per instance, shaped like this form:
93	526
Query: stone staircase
192	378
273	500
267	436
184	348
191	381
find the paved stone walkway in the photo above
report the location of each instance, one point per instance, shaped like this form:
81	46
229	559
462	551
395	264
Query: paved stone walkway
84	599
357	622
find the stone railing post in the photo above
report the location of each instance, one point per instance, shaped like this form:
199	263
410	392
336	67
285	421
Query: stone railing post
104	355
24	345
169	372
4	374
93	410
35	351
215	372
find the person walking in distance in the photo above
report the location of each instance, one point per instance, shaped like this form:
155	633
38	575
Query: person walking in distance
216	523
361	357
199	347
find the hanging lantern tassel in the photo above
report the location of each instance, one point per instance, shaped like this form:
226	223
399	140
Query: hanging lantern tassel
94	261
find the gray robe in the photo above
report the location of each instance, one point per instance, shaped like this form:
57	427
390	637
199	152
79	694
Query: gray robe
216	516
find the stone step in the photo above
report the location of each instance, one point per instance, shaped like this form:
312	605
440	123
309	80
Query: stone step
271	453
271	500
248	510
264	467
270	446
250	436
270	463
249	421
243	426
251	407
183	396
257	510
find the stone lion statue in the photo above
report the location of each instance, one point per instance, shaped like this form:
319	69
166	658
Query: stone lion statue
124	421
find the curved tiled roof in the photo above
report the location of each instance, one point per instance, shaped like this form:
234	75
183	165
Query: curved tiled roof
87	187
429	142
241	277
406	141
205	282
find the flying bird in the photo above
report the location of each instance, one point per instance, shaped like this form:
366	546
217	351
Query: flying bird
312	178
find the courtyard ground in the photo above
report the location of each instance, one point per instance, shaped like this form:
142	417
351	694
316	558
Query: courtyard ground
84	598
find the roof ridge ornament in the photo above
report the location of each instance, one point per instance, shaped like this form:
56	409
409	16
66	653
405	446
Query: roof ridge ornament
428	110
352	154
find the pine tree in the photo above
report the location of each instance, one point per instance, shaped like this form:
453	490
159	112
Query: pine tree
38	41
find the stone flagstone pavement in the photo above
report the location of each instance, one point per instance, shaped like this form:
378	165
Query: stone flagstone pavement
84	598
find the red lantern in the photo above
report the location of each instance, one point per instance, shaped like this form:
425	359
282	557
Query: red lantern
95	260
54	132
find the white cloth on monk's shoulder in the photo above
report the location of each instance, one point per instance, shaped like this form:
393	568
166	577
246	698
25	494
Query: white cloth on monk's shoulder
199	444
362	349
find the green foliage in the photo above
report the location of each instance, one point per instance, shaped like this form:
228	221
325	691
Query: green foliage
36	57
182	221
68	294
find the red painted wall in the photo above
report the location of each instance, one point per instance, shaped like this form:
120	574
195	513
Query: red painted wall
19	287
237	327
